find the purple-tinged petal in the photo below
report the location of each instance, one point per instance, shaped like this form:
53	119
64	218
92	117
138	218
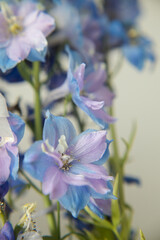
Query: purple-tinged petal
55	127
17	126
5	161
89	170
7	231
4	32
25	8
100	207
98	185
18	48
40	21
104	94
89	146
79	75
95	79
53	183
75	199
93	105
35	39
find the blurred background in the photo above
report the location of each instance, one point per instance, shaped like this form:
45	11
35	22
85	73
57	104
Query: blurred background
138	99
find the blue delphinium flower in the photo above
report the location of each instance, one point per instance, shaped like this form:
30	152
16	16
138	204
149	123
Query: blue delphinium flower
88	90
69	166
23	31
11	132
6	233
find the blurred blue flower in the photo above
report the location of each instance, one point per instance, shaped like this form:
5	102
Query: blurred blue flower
126	11
69	166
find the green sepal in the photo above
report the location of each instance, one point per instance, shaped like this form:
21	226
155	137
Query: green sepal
129	144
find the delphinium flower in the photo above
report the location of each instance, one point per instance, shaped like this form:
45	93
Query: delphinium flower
23	32
11	133
88	90
6	233
69	166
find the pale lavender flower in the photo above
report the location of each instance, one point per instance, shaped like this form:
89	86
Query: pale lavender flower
23	32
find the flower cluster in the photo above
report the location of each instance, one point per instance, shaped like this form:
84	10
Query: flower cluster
62	48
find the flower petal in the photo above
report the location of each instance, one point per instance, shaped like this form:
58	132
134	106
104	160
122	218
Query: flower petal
75	199
88	146
18	48
36	162
17	126
41	21
55	127
53	183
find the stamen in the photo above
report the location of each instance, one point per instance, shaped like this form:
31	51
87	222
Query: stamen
13	22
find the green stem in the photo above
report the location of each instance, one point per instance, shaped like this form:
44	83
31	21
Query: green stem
38	136
50	216
38	121
30	182
81	124
119	168
115	159
58	222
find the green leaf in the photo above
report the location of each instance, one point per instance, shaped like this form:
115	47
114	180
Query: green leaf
116	216
102	223
142	235
129	144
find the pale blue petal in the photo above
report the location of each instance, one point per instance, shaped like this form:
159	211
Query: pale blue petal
36	162
75	199
95	209
35	55
14	166
55	127
5	62
105	155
